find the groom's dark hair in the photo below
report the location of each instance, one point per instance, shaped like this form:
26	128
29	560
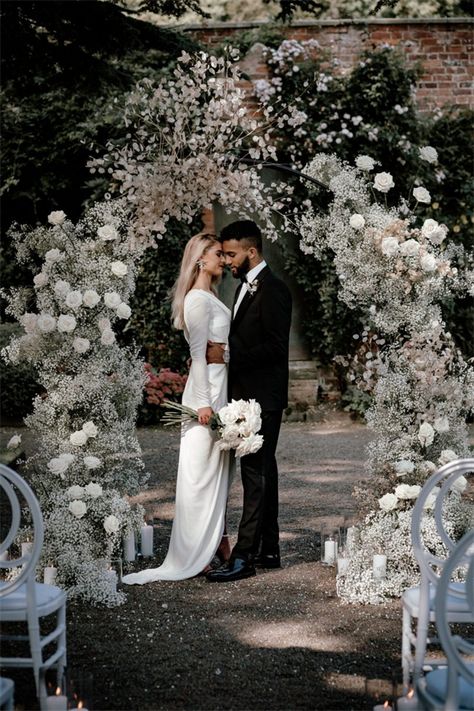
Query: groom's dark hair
244	230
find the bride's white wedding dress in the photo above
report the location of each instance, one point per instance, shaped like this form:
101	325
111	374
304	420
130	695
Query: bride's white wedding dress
203	470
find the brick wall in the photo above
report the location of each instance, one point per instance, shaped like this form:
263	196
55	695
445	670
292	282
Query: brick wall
444	47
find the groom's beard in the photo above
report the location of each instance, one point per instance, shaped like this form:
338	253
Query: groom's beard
243	269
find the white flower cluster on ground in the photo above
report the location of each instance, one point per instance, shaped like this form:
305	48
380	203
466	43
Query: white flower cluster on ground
84	421
397	272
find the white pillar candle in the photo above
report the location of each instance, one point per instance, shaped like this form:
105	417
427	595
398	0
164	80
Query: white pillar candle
342	565
147	540
383	707
58	702
112	577
129	547
330	551
379	567
49	575
409	702
26	548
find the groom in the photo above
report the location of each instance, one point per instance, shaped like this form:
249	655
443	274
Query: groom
258	369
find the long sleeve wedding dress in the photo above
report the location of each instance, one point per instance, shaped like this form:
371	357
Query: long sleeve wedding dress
203	469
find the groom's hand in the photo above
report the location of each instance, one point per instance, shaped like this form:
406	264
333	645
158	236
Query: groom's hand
215	352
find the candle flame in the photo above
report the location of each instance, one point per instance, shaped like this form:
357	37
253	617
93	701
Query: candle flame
80	705
411	694
386	705
58	691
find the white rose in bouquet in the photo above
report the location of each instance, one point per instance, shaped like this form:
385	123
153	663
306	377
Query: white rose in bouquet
81	345
428	262
107	233
29	322
357	221
249	445
66	324
61	288
364	162
123	310
56	217
426	434
14	442
229	414
428	153
76	492
383	182
230	437
91	298
422	195
93	490
389	246
46	323
119	268
40	280
52	255
90	429
78	439
58	465
92	462
112	524
388	502
441	424
404	467
74	299
410	248
108	337
447	455
112	299
433	231
78	508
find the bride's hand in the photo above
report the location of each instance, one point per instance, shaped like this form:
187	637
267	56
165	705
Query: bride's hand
204	415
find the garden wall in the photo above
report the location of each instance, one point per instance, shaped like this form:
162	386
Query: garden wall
443	46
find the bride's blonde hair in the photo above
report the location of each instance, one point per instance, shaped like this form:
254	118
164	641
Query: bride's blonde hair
189	270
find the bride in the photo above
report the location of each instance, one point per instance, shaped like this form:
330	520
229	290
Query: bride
203	469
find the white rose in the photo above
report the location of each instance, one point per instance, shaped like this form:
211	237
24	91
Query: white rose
112	299
249	445
108	337
428	262
119	268
40	280
52	255
447	455
107	232
231	435
459	485
94	490
78	439
61	288
441	424
92	462
68	457
383	182
365	162
357	221
229	414
90	429
56	217
389	246
46	323
422	195
78	508
426	434
58	465
428	467
410	248
111	524
123	310
75	492
431	499
433	231
66	324
388	502
14	442
428	153
81	345
405	491
404	466
74	299
91	298
103	323
29	322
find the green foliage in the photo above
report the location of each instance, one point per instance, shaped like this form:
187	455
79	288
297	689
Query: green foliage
18	382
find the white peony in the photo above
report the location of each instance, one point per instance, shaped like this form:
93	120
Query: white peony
112	299
66	324
388	502
56	217
426	434
29	322
364	162
81	345
93	490
404	467
405	491
52	255
92	462
90	429
389	246
40	280
46	323
107	233
433	231
76	492
428	153
249	445
459	485
410	248
119	268
383	182
58	465
428	262
78	508
357	221
229	414
441	424
61	288
422	195
123	310
108	337
112	524
14	442
447	455
91	298
74	299
78	439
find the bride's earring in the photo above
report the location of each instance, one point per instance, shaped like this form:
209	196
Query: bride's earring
200	263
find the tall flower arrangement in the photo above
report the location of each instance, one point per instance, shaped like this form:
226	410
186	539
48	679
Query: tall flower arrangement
397	271
88	457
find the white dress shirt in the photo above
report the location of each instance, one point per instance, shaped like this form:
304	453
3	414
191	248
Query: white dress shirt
250	276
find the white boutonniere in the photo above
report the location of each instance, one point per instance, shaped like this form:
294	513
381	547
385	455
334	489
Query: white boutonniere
252	286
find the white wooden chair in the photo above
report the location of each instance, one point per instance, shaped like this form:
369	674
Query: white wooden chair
452	689
419	602
22	599
7	689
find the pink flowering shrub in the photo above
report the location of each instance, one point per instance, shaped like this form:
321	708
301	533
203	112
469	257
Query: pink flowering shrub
162	384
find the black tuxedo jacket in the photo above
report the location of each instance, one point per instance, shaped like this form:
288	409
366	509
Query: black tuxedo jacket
259	342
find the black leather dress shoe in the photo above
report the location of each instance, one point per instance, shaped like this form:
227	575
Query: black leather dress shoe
267	560
234	569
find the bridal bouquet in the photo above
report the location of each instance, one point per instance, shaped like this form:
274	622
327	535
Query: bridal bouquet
236	424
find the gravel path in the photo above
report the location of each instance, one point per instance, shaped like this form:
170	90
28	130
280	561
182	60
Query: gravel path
281	640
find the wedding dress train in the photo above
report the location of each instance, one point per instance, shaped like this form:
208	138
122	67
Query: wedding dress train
203	469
